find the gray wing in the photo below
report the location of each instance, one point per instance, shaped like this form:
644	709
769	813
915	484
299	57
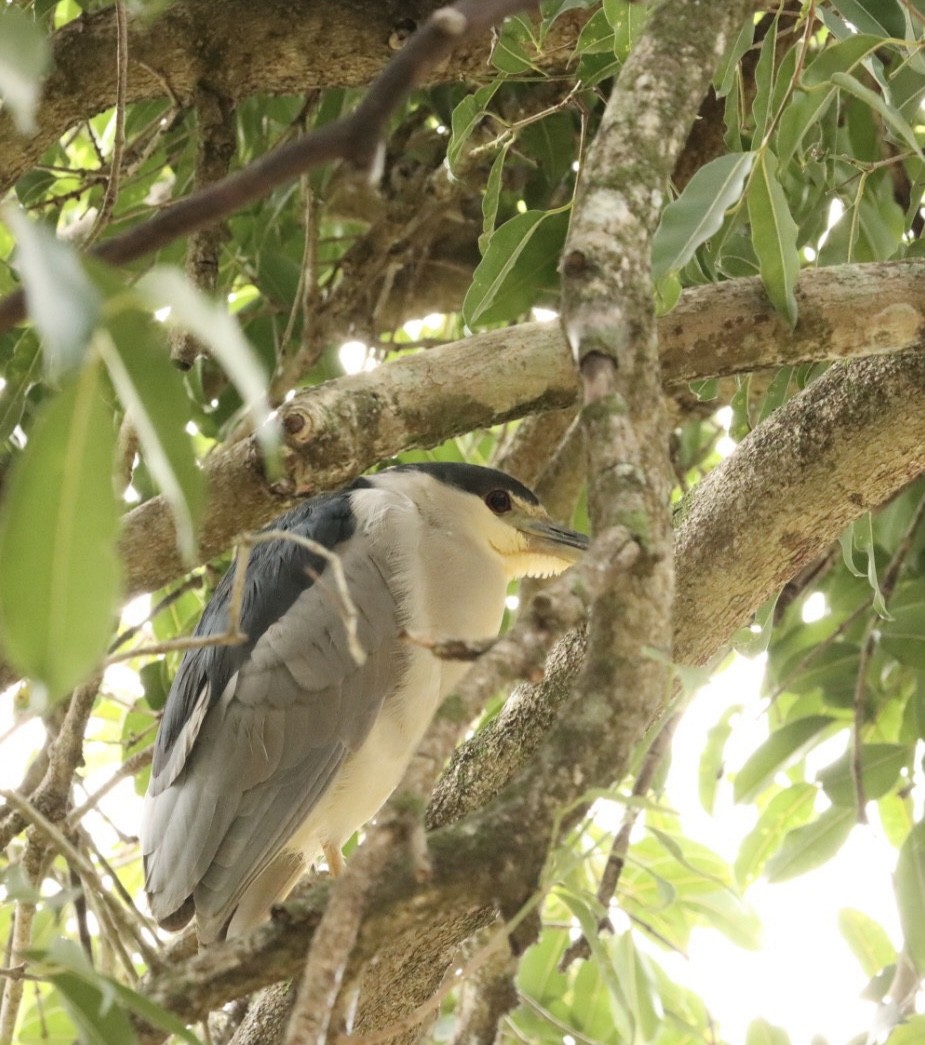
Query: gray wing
249	763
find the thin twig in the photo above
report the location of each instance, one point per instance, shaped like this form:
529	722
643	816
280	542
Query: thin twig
188	585
128	768
34	864
226	638
128	920
347	609
857	708
616	861
234	636
23	918
65	754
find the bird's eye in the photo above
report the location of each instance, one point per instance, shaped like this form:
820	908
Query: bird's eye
499	501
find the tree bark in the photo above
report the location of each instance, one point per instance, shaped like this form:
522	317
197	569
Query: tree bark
237	48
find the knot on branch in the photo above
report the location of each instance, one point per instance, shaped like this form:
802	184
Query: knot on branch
450	21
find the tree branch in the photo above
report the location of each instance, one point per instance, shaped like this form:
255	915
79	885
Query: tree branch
355	138
50	799
311	46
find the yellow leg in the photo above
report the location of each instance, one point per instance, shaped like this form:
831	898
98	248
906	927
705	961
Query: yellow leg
334	857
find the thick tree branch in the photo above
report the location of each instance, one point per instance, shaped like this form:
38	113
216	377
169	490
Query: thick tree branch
238	49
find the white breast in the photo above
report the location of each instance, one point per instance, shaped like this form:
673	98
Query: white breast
455	587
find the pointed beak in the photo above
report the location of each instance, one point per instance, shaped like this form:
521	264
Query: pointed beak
548	538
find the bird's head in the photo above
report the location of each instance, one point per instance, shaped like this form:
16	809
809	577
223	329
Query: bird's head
494	508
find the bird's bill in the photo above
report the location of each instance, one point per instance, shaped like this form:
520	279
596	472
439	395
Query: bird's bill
547	537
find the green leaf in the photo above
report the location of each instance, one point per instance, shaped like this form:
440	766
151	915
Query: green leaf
887	22
59	571
839	57
790	809
152	392
466	117
776	393
910	1033
513	43
754	639
550	142
698	212
860	536
803	112
888	113
880	768
867	939
724	78
910	894
538	973
21	373
522	256
219	331
603	966
783	746
25	57
492	196
591	1012
46	1021
811	845
903	636
99	1021
62	301
764	82
808	105
99	1005
712	757
638	983
774	236
724	911
760	1032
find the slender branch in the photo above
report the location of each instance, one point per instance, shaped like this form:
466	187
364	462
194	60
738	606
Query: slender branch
128	919
190	584
65	754
334	940
233	635
128	768
613	869
34	863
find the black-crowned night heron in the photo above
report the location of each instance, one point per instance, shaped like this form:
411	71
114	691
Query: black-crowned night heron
277	749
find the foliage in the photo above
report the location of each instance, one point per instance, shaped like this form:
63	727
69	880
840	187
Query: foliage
820	163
